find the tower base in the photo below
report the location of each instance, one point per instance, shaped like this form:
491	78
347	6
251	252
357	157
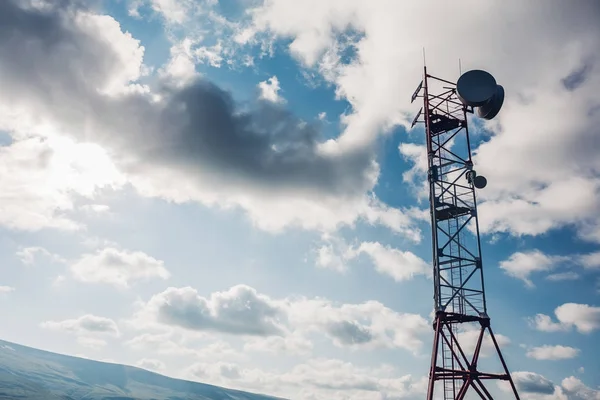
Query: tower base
457	372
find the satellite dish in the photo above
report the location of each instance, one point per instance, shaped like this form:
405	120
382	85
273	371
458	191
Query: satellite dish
479	182
491	108
474	88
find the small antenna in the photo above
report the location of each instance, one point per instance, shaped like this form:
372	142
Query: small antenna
424	63
459	68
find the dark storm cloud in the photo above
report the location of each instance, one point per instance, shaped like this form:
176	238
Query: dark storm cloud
265	143
51	66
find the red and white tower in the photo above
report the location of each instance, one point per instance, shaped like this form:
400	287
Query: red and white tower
459	292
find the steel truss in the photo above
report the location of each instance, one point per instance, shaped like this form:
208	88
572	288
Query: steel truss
459	292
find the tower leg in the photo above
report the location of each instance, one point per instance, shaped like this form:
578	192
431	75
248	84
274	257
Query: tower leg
510	379
434	354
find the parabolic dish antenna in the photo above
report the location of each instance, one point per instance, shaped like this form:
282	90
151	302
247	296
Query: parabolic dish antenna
474	88
479	182
491	108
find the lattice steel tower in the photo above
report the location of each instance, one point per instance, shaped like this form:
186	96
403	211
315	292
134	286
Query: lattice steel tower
459	292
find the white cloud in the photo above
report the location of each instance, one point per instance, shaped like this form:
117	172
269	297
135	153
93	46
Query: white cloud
563	276
579	390
117	267
553	352
521	265
544	323
328	258
180	69
334	253
213	56
417	174
322	116
400	265
28	255
151	364
6	289
86	324
269	90
174	11
583	317
591	260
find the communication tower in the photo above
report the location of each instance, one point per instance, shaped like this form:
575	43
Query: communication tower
459	292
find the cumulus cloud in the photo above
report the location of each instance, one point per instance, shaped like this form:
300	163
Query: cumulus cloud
86	324
188	143
521	265
552	352
269	90
400	265
238	311
180	69
533	386
583	317
530	382
284	323
590	261
117	267
577	389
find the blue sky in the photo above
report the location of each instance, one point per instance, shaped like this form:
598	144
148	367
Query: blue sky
142	232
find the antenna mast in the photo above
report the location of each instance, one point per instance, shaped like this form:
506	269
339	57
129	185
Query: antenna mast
459	292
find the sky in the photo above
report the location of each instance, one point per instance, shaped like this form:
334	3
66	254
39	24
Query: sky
229	191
